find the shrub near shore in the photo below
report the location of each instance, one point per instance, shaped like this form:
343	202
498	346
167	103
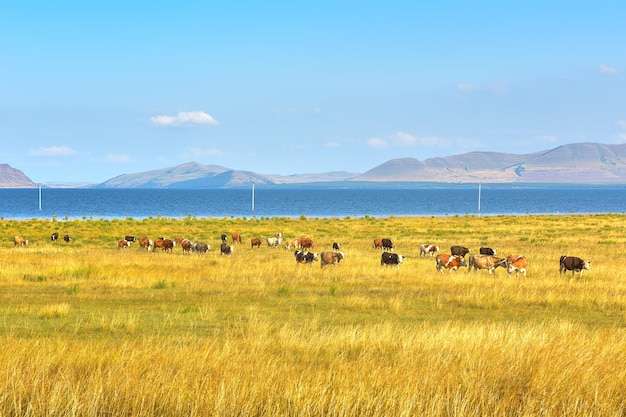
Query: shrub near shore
89	329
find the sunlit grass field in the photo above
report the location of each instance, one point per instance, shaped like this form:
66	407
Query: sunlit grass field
89	329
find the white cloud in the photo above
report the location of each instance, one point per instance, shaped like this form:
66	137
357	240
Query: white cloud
605	69
118	158
53	151
404	139
377	143
185	119
621	137
622	124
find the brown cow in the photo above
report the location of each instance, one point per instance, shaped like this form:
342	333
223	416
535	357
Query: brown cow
236	238
378	243
186	245
164	244
123	244
255	241
20	241
146	243
327	258
306	243
574	264
517	263
450	262
488	262
459	251
68	238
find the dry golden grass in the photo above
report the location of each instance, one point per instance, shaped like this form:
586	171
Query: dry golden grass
87	329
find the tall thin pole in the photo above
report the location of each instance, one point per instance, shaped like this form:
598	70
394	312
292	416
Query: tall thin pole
39	197
479	198
253	197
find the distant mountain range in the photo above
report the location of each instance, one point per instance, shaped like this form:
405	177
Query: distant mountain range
580	163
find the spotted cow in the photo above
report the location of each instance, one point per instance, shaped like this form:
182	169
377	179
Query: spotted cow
428	249
449	262
305	257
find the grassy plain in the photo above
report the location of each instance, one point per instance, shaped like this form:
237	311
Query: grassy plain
87	329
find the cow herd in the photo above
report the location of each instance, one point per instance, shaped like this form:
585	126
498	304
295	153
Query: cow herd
486	259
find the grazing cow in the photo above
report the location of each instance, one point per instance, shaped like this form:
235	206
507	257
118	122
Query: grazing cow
306	243
517	263
146	243
391	259
224	237
450	262
186	245
130	238
305	257
200	247
164	244
574	264
236	238
292	244
328	258
274	242
255	241
378	243
226	249
20	241
459	251
428	249
487	251
336	246
68	238
123	244
488	262
54	236
388	244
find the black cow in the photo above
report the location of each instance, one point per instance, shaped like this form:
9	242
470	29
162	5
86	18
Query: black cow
226	249
54	236
574	264
487	251
388	244
336	246
389	259
67	238
224	237
459	251
129	238
305	257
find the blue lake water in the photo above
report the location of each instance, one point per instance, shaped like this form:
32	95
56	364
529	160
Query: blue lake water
310	202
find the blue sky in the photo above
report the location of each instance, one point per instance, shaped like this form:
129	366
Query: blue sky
92	90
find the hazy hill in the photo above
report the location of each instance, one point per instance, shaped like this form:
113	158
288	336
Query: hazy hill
197	175
574	163
14	178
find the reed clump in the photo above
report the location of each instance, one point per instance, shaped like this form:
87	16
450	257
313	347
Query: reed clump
89	329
